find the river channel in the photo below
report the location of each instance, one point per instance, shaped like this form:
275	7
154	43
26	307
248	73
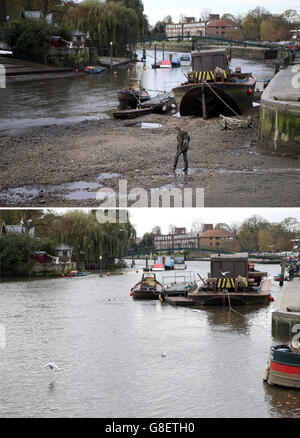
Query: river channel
30	104
125	358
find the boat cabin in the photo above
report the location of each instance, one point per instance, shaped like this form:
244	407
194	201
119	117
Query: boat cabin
207	60
232	265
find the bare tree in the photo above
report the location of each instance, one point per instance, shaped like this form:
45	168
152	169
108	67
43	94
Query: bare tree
197	226
204	13
172	229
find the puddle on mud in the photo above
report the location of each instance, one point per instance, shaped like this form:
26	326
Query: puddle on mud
151	125
84	190
77	190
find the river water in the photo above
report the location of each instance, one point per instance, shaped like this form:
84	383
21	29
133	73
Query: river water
25	105
110	349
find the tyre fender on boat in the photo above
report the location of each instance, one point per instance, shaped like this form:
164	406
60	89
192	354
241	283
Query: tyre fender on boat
266	372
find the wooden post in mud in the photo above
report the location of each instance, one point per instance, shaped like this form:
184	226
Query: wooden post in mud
204	106
111	54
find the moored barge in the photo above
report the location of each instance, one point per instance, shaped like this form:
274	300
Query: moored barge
230	282
212	89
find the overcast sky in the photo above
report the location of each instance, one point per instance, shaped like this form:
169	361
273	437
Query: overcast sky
145	219
158	9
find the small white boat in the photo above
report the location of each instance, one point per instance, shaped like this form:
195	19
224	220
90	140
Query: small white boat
185	60
179	264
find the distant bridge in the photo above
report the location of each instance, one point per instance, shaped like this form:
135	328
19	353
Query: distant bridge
194	39
176	250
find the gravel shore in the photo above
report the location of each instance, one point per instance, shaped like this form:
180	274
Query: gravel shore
65	165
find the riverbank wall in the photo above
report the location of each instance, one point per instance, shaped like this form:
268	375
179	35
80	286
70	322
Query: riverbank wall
243	52
287	314
33	269
73	58
279	129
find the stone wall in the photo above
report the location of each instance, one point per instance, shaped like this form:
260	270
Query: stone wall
280	113
76	57
33	269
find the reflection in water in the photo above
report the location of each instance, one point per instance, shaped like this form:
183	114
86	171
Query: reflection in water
110	348
283	402
44	103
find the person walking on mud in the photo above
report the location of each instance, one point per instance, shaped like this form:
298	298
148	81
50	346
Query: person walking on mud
183	141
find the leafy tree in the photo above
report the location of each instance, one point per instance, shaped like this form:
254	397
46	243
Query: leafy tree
268	31
266	241
160	26
3	11
156	230
14	249
28	38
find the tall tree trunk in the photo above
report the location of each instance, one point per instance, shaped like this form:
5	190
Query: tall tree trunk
45	7
3	11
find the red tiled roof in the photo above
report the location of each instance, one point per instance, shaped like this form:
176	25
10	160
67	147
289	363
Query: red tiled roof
215	23
216	233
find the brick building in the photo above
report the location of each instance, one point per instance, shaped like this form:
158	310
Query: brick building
208	238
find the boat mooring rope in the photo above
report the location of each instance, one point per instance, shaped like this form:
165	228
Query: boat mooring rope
231	109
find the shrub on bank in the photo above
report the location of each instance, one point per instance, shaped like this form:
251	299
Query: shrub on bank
15	249
29	38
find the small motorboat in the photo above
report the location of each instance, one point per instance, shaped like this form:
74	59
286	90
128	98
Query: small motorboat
166	64
158	267
132	96
94	70
74	274
132	113
179	264
185	60
283	368
148	288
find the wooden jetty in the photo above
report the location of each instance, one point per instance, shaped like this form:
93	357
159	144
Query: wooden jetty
287	314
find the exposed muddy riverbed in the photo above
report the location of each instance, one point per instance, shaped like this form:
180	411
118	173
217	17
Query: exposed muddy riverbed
49	155
66	165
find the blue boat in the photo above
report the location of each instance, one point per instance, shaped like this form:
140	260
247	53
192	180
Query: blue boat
174	58
169	264
179	264
94	70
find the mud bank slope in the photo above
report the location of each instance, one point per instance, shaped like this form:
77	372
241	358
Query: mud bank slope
65	165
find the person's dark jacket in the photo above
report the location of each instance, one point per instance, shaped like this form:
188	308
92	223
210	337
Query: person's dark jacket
181	137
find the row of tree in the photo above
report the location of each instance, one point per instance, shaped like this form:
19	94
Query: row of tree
257	24
120	21
80	230
255	234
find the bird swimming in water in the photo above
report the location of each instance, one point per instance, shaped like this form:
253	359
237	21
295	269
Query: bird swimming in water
52	366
